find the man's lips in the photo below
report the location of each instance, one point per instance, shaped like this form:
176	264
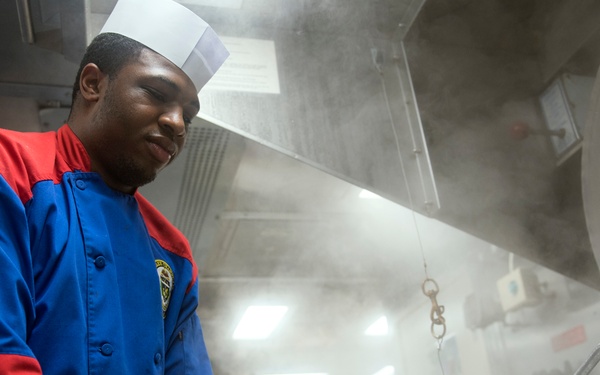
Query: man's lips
162	148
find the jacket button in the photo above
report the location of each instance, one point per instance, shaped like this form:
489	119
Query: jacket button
80	184
157	358
100	262
106	350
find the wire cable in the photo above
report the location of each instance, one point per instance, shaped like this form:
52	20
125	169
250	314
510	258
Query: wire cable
378	61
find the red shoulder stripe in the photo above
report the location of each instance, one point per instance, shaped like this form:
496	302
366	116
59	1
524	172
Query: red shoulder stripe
177	244
27	158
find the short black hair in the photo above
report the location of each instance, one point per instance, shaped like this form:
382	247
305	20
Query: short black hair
110	52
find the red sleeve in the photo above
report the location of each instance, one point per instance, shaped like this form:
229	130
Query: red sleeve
19	365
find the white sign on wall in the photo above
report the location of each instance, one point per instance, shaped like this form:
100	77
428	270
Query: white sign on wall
251	67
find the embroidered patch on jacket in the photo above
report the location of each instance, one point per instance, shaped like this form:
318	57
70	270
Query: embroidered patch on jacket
167	280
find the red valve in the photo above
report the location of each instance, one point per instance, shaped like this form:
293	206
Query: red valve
519	130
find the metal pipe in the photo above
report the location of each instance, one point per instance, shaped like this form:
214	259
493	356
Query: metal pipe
587	366
25	21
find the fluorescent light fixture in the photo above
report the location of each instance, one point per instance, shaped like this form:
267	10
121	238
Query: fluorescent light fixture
304	373
258	322
365	194
387	370
379	328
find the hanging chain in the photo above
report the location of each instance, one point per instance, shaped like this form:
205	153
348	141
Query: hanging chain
431	289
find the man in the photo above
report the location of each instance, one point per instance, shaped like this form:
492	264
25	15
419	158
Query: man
94	279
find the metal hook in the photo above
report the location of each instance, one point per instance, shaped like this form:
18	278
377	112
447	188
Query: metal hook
437	310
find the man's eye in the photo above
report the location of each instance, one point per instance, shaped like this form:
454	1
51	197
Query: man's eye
156	94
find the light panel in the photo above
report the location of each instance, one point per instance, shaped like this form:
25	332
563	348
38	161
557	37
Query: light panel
258	322
387	370
378	328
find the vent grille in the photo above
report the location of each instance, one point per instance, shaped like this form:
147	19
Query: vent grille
206	150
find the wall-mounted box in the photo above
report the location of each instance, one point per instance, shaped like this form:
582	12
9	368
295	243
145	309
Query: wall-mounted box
520	288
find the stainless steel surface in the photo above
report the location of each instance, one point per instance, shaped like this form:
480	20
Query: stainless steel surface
332	113
38	64
474	77
590	363
556	47
413	156
76	28
25	21
590	171
41	93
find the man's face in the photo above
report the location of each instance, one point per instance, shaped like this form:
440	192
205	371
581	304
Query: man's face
141	121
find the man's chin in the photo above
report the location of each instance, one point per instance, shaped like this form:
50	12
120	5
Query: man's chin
137	179
145	181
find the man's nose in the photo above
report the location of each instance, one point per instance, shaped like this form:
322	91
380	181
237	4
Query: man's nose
172	120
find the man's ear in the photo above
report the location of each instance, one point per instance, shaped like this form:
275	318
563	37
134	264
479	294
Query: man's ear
91	82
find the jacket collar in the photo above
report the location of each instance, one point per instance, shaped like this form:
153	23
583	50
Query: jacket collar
72	150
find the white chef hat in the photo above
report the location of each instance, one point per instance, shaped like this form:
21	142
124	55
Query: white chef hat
173	31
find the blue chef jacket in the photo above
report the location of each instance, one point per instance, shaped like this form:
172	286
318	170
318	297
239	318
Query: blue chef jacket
92	281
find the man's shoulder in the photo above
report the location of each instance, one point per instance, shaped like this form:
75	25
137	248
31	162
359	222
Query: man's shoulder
25	158
27	141
26	146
